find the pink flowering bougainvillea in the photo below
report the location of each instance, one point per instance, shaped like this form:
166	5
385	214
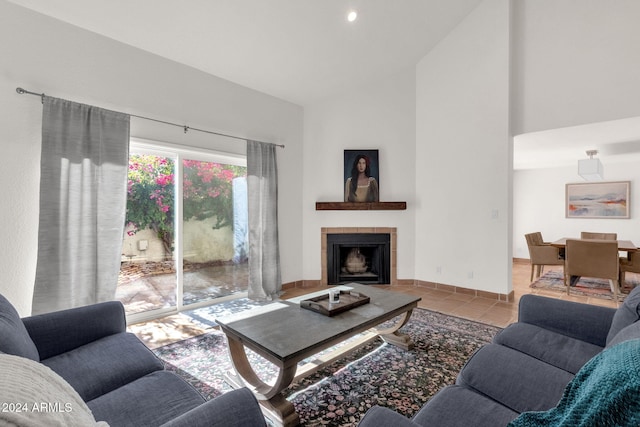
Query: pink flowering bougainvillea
207	192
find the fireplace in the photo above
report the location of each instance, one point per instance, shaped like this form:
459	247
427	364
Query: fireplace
363	258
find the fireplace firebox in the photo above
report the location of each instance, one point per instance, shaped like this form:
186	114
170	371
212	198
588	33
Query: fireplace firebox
363	258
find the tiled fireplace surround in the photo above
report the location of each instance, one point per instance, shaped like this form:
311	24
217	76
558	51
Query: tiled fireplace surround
394	266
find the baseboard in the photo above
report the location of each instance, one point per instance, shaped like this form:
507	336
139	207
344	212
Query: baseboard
510	297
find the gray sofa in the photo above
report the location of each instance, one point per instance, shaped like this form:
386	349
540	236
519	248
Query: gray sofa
119	378
528	365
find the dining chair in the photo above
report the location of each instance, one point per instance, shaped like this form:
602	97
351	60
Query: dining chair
541	253
592	258
630	263
599	236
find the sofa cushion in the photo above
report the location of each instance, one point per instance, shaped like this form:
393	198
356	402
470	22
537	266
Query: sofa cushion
104	365
626	314
379	416
456	406
556	349
237	407
516	380
585	322
148	401
14	338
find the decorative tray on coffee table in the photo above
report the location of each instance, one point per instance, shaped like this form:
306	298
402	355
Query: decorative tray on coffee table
322	305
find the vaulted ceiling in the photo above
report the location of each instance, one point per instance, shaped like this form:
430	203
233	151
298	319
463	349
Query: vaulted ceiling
305	50
297	50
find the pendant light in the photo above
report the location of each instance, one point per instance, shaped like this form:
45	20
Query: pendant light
591	169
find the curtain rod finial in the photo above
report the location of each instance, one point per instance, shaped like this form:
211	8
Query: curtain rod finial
23	91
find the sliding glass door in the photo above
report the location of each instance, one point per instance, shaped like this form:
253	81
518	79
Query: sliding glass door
185	241
214	233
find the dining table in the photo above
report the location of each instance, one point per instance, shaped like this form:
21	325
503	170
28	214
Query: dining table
623	245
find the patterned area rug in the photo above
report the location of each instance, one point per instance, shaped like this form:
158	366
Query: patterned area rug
340	394
598	288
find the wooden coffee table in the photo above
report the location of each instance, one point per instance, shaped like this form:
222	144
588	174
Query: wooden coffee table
285	333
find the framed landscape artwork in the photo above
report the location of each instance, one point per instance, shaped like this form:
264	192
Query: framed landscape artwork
361	176
597	200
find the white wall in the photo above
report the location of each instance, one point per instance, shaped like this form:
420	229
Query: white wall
539	205
381	116
45	55
575	62
463	156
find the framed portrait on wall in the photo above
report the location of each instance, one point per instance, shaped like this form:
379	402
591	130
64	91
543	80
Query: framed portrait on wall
361	176
597	200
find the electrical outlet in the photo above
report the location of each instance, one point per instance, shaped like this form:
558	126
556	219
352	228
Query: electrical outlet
439	269
470	275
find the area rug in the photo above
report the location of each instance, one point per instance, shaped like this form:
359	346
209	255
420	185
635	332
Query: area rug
340	394
598	288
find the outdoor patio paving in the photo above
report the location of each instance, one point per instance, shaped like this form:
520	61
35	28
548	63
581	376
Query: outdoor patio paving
151	285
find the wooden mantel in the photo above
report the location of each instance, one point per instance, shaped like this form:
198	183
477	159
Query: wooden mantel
361	206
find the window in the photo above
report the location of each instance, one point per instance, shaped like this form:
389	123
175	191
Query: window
185	241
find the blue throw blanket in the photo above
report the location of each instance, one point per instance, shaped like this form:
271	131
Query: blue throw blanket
605	392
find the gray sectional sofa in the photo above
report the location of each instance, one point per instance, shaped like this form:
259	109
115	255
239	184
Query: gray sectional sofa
530	363
121	381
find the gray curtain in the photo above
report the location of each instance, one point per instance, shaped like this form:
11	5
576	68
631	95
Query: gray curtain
83	190
264	251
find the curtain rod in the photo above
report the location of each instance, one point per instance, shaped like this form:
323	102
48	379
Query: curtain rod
185	127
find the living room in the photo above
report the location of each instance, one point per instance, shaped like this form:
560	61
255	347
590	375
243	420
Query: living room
444	127
403	116
393	115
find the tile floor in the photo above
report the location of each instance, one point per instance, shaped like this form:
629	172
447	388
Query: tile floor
485	310
490	311
498	313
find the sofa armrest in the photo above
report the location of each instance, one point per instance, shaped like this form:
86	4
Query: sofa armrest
61	331
237	408
589	323
384	417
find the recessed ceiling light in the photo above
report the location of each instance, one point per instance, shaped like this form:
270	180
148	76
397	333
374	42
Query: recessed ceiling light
352	16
